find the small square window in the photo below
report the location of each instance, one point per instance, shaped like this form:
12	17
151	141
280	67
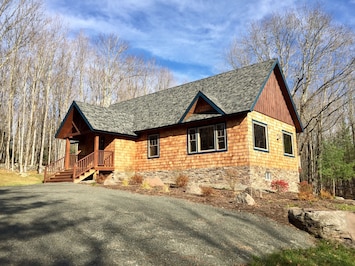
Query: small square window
268	176
288	141
260	136
153	146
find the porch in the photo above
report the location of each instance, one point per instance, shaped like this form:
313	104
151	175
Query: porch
77	167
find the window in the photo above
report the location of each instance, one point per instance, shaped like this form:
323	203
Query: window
208	138
267	176
153	146
260	136
288	140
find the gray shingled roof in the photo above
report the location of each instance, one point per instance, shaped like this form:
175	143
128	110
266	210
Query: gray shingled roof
233	92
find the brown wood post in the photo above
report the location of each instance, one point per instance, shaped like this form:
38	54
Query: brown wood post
96	151
67	154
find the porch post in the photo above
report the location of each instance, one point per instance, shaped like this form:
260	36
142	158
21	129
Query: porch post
96	151
67	154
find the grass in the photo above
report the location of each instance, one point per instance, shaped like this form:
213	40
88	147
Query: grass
324	253
345	207
9	178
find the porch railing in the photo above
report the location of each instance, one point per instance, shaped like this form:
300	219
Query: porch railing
83	165
58	166
104	160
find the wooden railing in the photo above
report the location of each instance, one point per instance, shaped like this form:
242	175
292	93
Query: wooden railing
80	166
83	165
105	159
53	168
58	166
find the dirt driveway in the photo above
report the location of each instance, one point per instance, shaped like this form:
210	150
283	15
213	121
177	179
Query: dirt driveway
70	224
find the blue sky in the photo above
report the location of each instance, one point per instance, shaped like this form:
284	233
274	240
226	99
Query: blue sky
187	36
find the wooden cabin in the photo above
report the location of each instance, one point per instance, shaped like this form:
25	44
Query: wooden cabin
242	122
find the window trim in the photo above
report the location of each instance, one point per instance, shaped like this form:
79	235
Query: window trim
283	143
268	176
198	139
266	136
149	137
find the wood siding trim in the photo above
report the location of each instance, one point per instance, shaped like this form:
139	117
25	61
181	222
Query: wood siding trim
272	102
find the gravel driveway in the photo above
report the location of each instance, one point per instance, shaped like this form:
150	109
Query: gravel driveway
71	224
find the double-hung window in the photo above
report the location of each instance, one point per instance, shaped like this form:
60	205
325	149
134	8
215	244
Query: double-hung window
288	141
207	138
260	136
153	146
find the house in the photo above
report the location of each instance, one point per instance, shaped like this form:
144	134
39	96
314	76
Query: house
242	122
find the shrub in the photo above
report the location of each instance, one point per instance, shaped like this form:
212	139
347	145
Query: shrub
125	182
136	180
325	194
279	185
182	180
165	189
305	191
206	191
145	185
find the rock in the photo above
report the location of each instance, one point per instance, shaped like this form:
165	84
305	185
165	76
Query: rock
244	198
330	225
194	189
154	182
253	192
110	181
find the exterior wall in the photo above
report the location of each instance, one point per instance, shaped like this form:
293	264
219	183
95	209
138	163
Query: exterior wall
203	168
247	164
174	156
274	161
125	153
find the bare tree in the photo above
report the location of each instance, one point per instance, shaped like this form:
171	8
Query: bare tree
315	55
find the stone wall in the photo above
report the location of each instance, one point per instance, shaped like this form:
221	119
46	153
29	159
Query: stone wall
217	177
224	177
257	177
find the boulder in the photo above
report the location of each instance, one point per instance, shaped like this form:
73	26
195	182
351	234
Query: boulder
110	181
154	182
194	189
244	198
330	225
253	192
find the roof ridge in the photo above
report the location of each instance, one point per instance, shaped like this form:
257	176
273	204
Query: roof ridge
198	80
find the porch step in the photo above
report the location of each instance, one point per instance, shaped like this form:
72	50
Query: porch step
85	175
64	176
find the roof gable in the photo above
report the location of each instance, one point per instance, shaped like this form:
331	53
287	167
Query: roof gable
275	100
73	124
201	106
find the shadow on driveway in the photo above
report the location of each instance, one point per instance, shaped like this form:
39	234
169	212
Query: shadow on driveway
70	224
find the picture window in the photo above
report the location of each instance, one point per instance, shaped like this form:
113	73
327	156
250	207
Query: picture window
207	138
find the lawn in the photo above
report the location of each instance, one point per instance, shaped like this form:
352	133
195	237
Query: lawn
9	178
325	254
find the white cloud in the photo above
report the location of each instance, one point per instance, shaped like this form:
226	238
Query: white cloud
182	31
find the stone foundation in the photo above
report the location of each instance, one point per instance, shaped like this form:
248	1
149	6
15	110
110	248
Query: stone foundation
239	177
257	177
